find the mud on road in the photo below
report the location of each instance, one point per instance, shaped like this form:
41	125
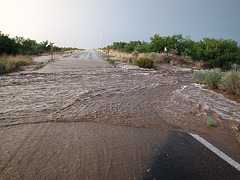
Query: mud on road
80	118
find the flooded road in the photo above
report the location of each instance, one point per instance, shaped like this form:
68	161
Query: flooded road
80	118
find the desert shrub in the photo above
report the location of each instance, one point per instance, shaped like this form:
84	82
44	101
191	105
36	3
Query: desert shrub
211	122
236	67
230	82
174	51
20	63
189	111
9	65
125	59
144	63
215	53
135	54
225	81
176	61
2	68
111	62
187	60
213	79
153	55
12	63
238	137
130	60
199	76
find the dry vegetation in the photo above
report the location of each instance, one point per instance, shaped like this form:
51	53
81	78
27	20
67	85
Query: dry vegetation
159	58
9	63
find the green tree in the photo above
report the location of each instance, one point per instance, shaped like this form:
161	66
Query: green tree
8	45
157	43
217	52
142	48
118	46
129	47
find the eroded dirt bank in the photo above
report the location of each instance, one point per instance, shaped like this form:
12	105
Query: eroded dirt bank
81	112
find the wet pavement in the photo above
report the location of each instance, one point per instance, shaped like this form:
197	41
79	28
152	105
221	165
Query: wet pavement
80	118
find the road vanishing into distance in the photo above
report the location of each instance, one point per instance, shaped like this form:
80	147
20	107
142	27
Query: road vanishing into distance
79	117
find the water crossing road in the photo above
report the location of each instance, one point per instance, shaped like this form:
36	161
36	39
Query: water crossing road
80	118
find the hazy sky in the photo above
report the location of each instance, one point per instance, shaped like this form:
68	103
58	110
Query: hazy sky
77	23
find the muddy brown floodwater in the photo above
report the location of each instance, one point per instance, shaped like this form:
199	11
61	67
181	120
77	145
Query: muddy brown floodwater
80	118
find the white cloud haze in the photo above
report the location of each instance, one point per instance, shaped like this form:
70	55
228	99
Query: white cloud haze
76	23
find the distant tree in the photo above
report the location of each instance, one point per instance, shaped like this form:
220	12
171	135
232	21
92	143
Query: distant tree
142	48
118	46
157	43
218	52
129	47
8	45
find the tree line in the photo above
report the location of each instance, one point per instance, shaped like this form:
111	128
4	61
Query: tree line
20	45
219	53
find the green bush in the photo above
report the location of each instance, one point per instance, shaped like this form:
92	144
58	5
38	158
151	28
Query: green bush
20	45
238	137
217	53
111	62
226	81
142	48
130	60
119	46
211	122
199	76
2	68
8	45
213	79
129	47
189	111
20	63
145	63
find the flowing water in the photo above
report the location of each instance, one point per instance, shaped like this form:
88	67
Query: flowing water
81	102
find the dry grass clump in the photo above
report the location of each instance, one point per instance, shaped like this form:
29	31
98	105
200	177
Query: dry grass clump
188	61
158	58
202	65
10	63
124	56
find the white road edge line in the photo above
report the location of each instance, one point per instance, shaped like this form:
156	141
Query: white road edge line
217	151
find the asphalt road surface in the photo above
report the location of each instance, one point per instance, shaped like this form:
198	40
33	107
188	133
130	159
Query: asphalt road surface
73	120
